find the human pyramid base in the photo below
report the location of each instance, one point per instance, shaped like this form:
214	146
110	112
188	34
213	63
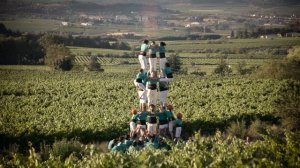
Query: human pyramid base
150	127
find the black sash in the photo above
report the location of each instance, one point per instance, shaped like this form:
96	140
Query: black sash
162	55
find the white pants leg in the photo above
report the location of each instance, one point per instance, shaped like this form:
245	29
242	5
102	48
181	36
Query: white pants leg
139	85
165	79
163	97
178	132
152	129
142	96
152	63
162	64
132	126
152	96
171	125
143	62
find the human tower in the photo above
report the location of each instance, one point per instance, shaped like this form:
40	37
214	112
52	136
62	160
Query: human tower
147	124
151	122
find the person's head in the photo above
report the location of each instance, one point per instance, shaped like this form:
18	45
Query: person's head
153	74
167	64
162	44
133	111
179	115
151	138
121	139
151	107
141	70
170	107
134	136
162	107
127	137
146	41
152	42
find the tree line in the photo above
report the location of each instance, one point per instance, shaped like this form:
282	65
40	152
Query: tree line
30	49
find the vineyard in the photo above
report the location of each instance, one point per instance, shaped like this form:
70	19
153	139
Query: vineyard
46	107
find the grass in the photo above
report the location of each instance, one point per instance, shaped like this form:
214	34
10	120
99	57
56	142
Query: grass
84	50
25	67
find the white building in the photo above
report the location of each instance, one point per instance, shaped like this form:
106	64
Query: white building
65	23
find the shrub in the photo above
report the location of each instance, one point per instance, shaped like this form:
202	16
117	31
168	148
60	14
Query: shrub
223	68
237	129
198	72
94	65
59	57
288	68
175	62
243	70
64	148
256	129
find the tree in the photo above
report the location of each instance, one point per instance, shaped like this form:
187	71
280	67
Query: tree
94	65
175	62
288	68
232	34
223	68
59	57
48	40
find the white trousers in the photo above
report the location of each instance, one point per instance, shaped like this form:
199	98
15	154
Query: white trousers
152	129
143	62
165	79
152	96
132	126
163	97
152	64
139	85
178	132
162	65
142	96
171	125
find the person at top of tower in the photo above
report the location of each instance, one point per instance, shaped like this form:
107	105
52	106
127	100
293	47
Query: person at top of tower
142	56
153	48
162	58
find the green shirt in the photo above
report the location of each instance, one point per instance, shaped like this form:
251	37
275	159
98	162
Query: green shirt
170	115
128	143
142	116
168	70
162	49
162	115
119	148
152	82
163	86
144	47
151	118
178	123
134	117
152	50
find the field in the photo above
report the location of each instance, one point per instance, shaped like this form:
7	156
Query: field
198	54
46	106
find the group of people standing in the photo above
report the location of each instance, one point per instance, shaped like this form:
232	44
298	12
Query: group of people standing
148	82
148	125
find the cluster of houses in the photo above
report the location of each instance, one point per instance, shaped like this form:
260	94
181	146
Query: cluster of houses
208	21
